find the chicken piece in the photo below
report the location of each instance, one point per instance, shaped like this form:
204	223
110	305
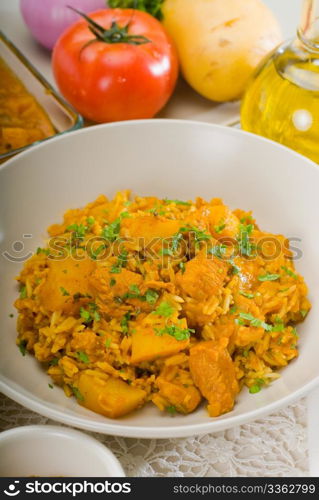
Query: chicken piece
108	396
184	399
64	279
213	373
149	231
147	345
203	277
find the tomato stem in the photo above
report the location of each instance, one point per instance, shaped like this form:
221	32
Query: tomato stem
115	34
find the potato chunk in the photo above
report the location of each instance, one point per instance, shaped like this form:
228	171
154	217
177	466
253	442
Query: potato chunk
147	345
213	373
65	278
149	229
110	396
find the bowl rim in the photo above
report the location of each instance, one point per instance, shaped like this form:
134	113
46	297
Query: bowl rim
65	432
32	402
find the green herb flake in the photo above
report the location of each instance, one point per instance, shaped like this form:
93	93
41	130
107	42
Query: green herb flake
164	309
247	295
289	272
244	244
268	277
112	282
177	202
85	314
182	267
90	221
233	309
175	331
77	393
51	386
171	409
46	251
220	227
304	312
83	357
64	291
151	296
218	251
256	322
23	292
166	251
259	383
108	342
11	315
23	347
279	325
125	323
54	362
78	230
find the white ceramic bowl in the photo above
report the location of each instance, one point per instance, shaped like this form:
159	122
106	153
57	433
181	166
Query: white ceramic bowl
52	451
165	158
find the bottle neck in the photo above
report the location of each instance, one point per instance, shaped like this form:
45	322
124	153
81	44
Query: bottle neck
308	30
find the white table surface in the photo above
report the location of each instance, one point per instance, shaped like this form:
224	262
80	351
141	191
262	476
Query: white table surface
229	449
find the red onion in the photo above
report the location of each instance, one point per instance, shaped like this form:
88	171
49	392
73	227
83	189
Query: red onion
47	19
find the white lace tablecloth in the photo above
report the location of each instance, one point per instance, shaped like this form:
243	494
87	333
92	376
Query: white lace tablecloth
275	446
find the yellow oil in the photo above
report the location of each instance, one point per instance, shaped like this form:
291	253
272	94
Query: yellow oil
282	100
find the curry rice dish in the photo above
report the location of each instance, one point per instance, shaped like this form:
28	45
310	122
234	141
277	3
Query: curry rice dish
165	301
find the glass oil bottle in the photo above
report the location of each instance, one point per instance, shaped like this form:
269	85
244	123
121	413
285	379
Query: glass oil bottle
282	99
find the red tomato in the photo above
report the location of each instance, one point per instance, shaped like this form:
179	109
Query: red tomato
108	77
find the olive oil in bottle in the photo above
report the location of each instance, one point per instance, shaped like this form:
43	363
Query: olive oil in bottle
282	100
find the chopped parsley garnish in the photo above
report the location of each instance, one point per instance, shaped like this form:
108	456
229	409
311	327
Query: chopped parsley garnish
247	295
51	386
11	315
121	262
151	296
182	267
54	362
166	251
78	230
234	269
256	322
233	309
304	313
175	331
199	234
171	409
245	246
90	314
177	202
125	323
22	347
108	342
289	272
268	277
112	282
82	356
218	251
127	203
219	227
112	231
90	221
279	325
94	253
77	393
176	239
64	291
164	309
46	251
259	383
23	292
